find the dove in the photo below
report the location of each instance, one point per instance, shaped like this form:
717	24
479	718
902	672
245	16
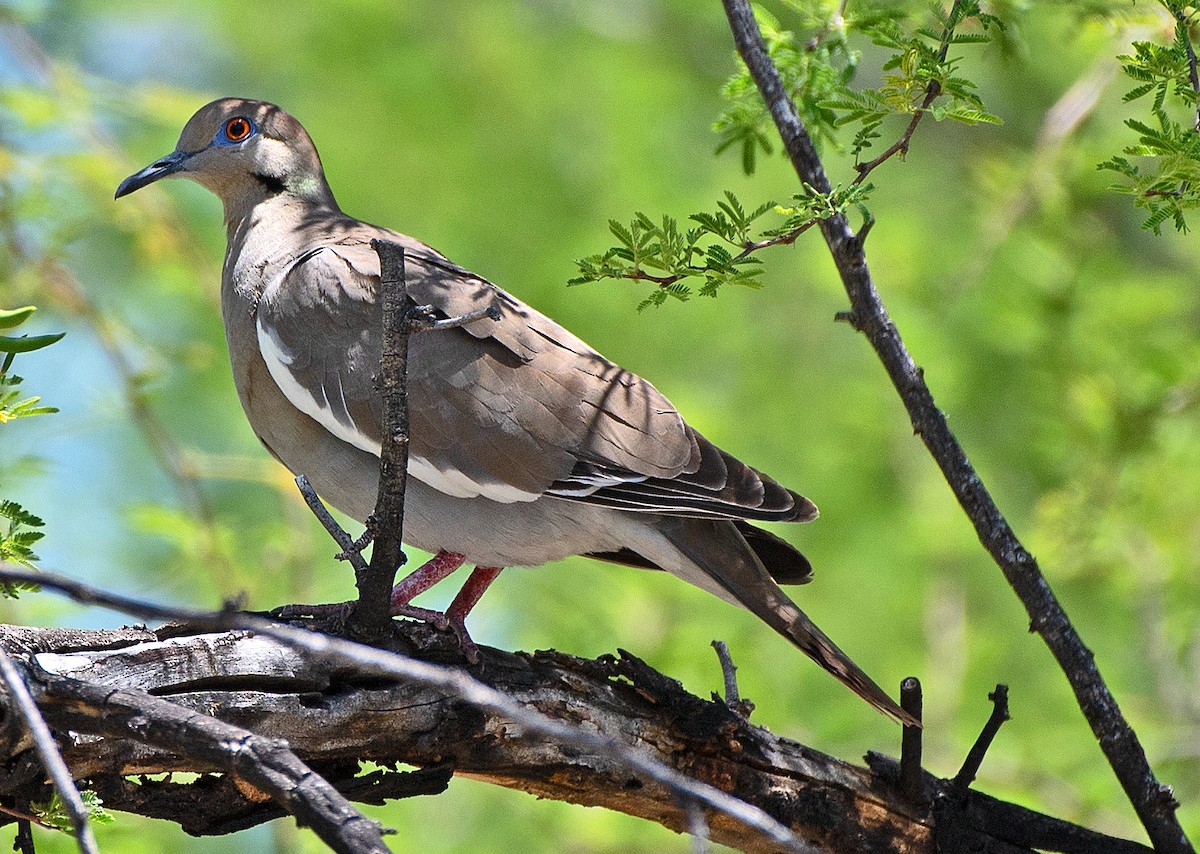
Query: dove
526	445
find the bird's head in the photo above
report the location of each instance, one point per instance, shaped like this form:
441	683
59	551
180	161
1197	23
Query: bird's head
242	151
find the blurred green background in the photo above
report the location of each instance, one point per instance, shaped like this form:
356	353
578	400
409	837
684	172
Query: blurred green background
1062	341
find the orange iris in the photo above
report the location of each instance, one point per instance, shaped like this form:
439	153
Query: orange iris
237	129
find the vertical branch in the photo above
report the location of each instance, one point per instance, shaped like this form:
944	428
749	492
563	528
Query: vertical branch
910	743
371	615
1153	801
1184	24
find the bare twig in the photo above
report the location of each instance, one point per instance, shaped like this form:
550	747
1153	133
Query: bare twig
728	672
1153	801
733	700
47	749
23	843
910	741
370	618
380	663
425	324
966	775
351	550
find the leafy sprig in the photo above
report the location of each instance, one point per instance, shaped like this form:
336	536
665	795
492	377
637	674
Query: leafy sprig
16	542
922	79
720	249
54	813
17	525
1166	181
12	406
812	74
720	246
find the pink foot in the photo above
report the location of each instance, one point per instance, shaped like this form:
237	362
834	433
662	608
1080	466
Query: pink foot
481	578
420	580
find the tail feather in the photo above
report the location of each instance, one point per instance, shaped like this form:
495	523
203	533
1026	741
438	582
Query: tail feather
717	558
786	565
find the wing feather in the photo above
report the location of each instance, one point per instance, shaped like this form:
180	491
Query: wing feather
509	410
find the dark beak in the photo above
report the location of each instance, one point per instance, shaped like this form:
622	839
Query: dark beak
169	165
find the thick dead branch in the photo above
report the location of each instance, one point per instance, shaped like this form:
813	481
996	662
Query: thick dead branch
332	717
325	652
263	768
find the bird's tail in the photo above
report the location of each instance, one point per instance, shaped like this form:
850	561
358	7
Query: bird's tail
714	555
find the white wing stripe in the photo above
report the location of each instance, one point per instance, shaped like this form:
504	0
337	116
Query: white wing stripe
449	481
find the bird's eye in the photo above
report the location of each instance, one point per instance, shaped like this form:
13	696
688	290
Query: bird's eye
237	129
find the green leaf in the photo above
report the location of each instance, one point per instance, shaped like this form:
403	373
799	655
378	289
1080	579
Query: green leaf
28	343
17	514
54	813
14	317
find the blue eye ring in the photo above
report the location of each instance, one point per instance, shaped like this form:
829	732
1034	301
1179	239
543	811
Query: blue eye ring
235	130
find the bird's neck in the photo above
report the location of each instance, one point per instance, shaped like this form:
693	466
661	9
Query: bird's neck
261	239
252	196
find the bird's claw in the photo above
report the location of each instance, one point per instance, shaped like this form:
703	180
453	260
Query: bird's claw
469	649
426	615
442	622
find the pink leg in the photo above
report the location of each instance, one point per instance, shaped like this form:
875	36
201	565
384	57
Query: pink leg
420	580
481	578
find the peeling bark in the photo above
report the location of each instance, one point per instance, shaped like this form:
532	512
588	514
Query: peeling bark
330	719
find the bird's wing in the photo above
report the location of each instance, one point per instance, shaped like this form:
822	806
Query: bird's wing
510	409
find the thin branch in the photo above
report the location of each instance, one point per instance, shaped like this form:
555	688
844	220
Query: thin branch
785	239
419	324
23	843
1153	801
697	828
351	549
728	672
371	617
733	700
47	749
748	248
932	91
1193	73
837	21
900	146
966	775
25	817
383	664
